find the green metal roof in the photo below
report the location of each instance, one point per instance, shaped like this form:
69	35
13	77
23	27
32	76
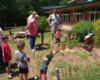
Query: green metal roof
47	8
53	7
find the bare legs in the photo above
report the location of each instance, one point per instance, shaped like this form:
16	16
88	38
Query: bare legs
26	76
8	71
21	76
52	36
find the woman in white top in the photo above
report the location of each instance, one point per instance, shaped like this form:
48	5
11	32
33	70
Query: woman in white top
1	36
1	58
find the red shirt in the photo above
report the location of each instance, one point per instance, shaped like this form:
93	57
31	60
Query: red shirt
58	34
33	27
6	49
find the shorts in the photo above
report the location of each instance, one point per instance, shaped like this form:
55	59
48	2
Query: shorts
54	29
57	40
23	70
7	64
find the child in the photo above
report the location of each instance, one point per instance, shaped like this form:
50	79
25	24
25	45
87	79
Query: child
58	35
6	54
22	59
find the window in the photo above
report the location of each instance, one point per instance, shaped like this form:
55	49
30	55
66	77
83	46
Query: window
80	10
67	12
96	15
80	15
66	16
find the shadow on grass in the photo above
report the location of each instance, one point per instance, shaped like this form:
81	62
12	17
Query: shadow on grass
3	69
16	73
13	66
42	46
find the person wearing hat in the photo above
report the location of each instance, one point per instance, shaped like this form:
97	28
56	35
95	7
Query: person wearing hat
31	17
32	31
53	21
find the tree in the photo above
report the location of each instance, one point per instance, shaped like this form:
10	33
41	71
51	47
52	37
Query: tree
63	2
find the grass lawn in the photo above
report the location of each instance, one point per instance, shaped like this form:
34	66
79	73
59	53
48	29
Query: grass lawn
73	65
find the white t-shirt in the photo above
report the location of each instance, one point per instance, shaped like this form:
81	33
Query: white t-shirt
29	18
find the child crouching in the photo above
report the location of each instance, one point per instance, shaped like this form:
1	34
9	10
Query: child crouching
22	60
58	36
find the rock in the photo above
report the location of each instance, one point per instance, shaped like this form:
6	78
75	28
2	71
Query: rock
45	59
10	38
16	40
19	35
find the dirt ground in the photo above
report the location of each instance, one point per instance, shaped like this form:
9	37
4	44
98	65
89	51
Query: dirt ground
70	57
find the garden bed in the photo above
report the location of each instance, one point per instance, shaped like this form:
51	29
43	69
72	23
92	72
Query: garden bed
72	63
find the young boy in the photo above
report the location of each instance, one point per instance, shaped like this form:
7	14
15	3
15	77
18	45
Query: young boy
6	54
58	36
21	59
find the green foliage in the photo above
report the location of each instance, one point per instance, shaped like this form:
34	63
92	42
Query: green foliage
53	73
15	11
81	29
72	43
84	54
90	72
63	2
61	65
97	33
19	10
42	22
76	68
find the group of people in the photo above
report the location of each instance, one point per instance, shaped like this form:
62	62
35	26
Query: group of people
54	20
20	56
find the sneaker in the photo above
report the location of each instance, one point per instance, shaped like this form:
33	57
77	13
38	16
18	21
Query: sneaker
51	42
32	50
11	70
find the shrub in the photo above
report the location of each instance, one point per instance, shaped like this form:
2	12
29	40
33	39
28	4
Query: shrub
42	23
81	29
97	33
72	43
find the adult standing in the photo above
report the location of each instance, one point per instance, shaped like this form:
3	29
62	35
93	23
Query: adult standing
32	30
1	26
28	20
31	17
53	21
1	58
